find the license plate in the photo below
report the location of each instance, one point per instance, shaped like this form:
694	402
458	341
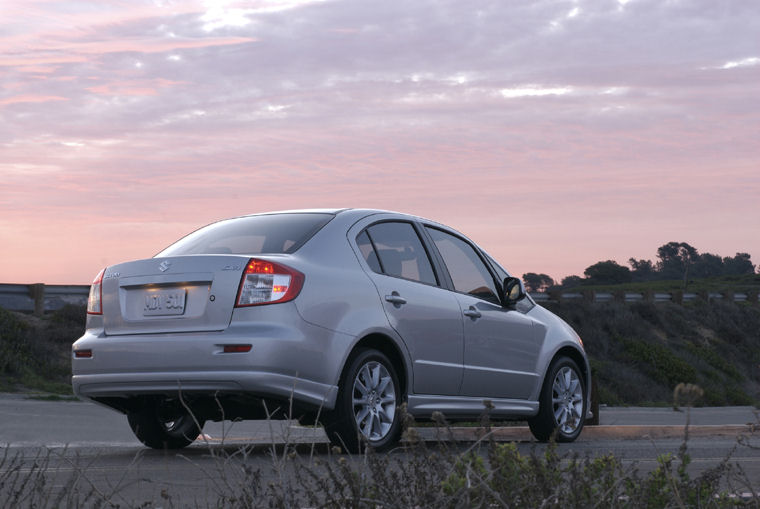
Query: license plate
165	302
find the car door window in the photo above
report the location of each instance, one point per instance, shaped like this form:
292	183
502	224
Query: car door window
523	305
468	272
501	274
399	250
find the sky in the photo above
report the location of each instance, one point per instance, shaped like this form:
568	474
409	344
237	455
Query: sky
553	133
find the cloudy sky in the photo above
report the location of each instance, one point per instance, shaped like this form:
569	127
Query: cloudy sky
554	133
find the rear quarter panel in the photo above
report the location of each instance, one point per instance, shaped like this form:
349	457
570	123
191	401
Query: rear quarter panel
337	294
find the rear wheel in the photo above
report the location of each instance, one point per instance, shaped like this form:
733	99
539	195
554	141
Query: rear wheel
366	412
165	425
562	403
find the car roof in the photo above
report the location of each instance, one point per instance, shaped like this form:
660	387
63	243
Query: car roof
354	211
296	211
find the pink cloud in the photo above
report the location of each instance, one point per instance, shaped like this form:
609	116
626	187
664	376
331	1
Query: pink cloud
149	45
37	69
40	58
30	99
133	87
74	52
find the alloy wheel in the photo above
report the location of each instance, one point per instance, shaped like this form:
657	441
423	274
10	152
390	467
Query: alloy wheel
374	400
567	400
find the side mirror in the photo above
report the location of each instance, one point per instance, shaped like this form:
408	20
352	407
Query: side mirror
514	291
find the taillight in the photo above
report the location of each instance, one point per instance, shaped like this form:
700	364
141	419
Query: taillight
95	300
266	282
236	348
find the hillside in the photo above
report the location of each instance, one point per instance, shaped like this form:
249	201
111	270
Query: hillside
639	351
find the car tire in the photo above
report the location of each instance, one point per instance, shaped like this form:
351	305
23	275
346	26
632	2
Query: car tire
164	425
562	403
367	411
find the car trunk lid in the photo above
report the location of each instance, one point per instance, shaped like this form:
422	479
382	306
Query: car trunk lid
194	293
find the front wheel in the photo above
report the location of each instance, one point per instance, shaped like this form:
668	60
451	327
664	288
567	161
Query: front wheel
562	403
165	425
367	409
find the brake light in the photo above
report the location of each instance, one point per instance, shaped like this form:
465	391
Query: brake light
95	300
267	282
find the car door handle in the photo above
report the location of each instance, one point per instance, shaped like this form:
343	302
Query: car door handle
395	299
472	313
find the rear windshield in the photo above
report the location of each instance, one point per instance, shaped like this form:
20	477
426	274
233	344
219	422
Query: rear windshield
272	233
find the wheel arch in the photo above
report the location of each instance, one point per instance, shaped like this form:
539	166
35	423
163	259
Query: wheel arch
580	360
390	349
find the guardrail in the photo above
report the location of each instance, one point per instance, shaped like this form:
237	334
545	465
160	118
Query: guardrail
39	297
676	297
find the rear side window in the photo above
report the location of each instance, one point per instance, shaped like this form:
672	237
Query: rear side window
395	249
271	234
368	252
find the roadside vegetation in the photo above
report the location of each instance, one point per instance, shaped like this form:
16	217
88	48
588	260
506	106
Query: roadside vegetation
420	475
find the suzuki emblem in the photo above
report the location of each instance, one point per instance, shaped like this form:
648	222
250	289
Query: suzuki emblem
165	265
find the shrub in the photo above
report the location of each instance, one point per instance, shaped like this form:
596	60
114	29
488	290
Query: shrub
36	353
15	349
660	362
715	360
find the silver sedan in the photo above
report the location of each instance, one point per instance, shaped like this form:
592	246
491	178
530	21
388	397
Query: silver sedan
330	316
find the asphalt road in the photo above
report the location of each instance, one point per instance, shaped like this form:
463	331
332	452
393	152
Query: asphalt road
94	447
32	423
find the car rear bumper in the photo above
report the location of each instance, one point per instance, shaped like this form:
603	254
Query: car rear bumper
288	358
258	383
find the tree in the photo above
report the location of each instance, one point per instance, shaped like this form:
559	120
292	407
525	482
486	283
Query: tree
571	282
642	270
537	282
738	265
675	260
607	273
708	265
